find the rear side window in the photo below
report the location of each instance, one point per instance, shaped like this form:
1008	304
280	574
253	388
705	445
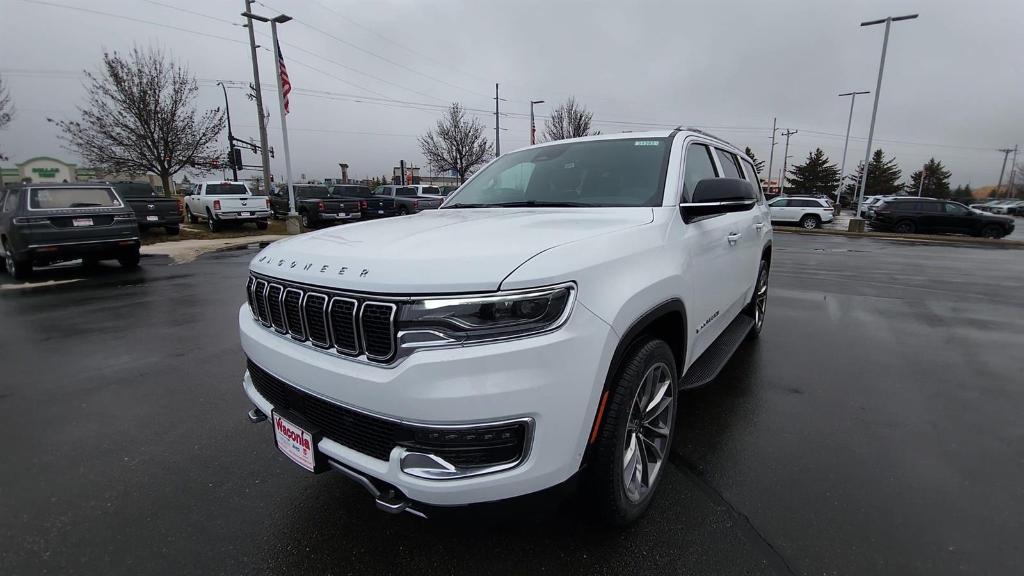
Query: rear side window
11	202
226	189
751	174
807	204
730	168
60	198
931	207
698	167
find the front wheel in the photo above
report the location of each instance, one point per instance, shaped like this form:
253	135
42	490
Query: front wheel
810	222
991	231
758	301
635	435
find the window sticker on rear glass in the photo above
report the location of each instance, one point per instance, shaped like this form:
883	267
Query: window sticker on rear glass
646	143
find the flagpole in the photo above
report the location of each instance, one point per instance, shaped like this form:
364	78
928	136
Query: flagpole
284	125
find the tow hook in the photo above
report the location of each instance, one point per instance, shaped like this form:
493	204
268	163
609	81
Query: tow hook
256	416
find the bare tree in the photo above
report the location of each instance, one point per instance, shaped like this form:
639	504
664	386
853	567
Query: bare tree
457	143
570	120
139	117
6	108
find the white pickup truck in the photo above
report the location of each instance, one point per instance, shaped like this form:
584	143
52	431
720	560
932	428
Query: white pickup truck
219	202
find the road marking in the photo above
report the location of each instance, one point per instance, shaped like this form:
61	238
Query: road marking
28	285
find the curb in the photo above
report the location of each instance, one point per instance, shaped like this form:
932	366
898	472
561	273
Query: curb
919	238
183	251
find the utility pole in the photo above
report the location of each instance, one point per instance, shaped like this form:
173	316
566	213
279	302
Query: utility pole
874	109
846	143
1013	173
785	159
1006	154
771	154
231	136
497	136
533	125
264	149
920	185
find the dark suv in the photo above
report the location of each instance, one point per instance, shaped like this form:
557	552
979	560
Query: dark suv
45	223
927	215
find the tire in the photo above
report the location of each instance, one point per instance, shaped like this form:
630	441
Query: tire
306	222
262	225
615	478
403	211
758	304
189	216
129	261
172	230
810	222
904	227
212	223
992	231
18	269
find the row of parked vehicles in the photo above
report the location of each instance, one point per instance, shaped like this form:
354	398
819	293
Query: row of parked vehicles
911	214
1010	207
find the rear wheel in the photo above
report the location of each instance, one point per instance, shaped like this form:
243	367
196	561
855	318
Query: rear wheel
759	301
810	222
261	225
403	211
189	217
904	227
991	231
306	222
18	269
172	230
212	222
129	261
636	433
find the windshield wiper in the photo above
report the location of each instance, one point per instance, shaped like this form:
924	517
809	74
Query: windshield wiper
543	204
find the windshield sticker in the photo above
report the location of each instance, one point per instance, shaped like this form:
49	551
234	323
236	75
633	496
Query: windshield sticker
646	143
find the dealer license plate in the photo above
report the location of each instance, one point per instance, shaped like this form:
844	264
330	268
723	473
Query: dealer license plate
81	222
380	211
152	218
295	442
246	213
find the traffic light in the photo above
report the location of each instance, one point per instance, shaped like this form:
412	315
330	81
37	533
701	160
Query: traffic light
236	158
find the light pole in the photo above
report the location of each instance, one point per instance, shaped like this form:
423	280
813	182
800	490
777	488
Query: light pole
264	149
771	153
231	136
842	167
785	159
874	109
920	185
533	125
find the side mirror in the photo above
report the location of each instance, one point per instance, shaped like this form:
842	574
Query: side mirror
715	196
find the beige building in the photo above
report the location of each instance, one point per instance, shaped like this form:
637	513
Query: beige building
47	169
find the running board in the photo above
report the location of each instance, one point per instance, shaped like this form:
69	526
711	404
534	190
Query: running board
711	362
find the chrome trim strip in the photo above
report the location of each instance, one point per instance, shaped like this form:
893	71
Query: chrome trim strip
250	287
391	330
262	293
323	314
355	329
750	202
301	335
108	241
283	329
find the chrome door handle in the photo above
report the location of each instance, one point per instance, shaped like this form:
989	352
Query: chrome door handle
732	238
759	225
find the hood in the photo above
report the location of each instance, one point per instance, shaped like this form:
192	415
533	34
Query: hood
439	251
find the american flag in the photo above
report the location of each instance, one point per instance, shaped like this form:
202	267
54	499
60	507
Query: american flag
286	85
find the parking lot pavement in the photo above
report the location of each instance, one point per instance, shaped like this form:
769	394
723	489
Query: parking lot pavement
874	428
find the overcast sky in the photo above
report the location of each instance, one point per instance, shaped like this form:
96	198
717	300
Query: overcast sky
953	86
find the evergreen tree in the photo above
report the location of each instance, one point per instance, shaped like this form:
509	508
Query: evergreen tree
936	181
758	164
815	176
883	177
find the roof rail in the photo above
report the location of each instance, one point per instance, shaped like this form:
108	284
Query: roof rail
705	133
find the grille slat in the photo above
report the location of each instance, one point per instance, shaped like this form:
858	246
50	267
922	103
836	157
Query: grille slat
250	286
274	292
343	324
260	288
315	307
293	313
376	320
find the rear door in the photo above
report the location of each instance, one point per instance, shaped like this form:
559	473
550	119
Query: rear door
931	217
747	229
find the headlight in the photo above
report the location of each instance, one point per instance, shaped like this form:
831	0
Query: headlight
448	320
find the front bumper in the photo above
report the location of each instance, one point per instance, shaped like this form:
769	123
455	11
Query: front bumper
528	379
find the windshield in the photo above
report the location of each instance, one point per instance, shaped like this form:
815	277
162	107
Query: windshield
136	190
311	192
351	191
622	172
406	192
58	198
226	189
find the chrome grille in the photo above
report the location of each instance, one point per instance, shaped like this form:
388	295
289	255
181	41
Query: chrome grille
315	309
274	292
350	324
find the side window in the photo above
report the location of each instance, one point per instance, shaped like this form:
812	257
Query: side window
751	174
931	207
730	169
698	167
955	209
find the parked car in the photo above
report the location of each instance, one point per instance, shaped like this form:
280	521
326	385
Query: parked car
407	201
46	223
805	211
315	205
926	215
481	352
429	191
220	202
371	206
152	209
1008	207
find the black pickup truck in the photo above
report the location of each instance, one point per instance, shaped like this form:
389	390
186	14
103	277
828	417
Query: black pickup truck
41	224
370	205
152	209
314	205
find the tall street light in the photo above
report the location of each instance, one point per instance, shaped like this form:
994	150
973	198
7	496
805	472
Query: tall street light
874	109
258	93
231	136
842	167
533	125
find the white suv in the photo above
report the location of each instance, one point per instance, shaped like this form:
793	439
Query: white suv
808	212
539	325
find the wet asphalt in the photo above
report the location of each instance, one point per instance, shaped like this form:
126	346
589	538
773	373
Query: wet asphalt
876	427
